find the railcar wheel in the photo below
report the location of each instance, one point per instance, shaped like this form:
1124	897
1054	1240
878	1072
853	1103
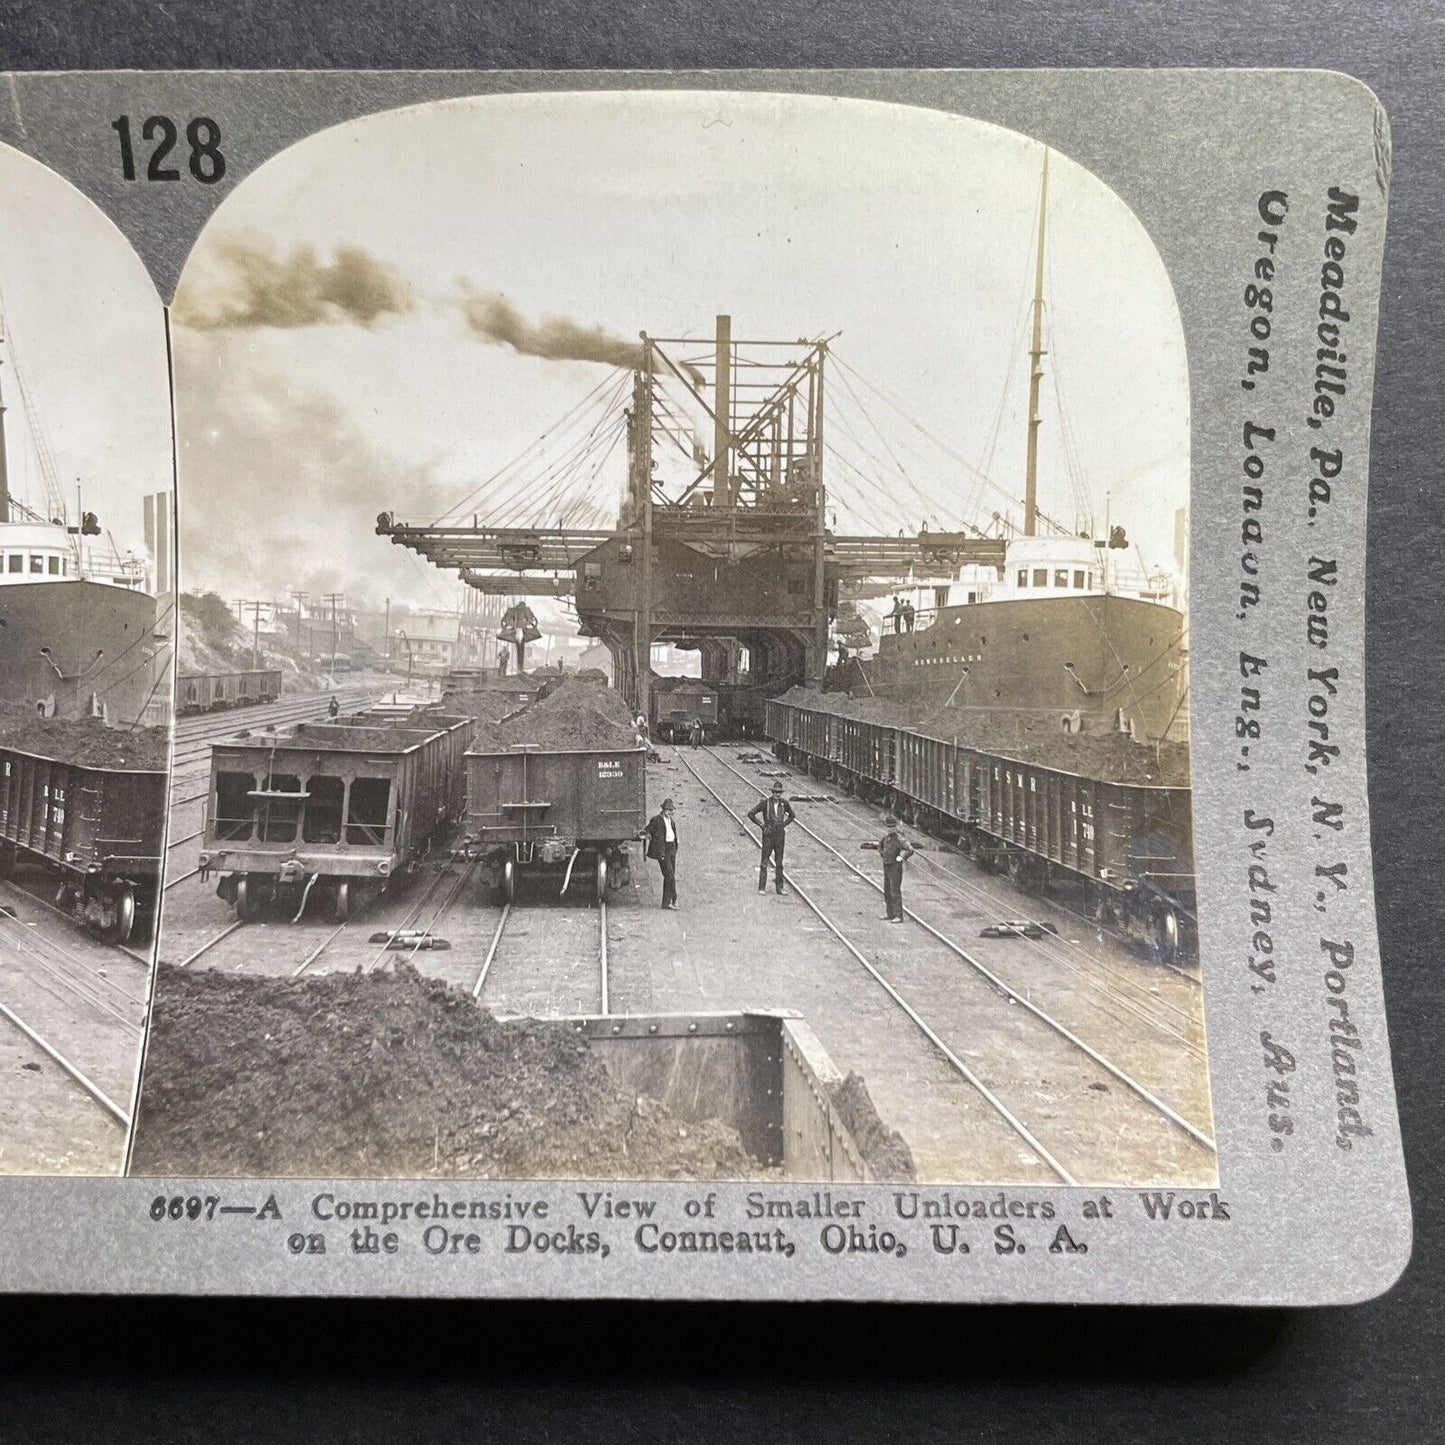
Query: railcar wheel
124	917
601	877
243	901
343	902
509	880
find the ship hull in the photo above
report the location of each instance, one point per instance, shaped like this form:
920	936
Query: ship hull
99	641
1094	655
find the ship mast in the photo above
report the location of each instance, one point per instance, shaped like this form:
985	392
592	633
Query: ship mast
1036	373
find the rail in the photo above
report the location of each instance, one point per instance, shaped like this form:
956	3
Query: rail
98	1094
1137	1088
604	985
989	1097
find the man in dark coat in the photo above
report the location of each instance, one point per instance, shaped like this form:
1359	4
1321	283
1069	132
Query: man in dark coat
333	708
893	849
661	837
772	814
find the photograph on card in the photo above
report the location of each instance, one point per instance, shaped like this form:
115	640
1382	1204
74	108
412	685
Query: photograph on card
86	622
683	659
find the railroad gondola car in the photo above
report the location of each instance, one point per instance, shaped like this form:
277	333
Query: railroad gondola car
210	692
97	830
545	812
1123	852
679	702
742	711
350	805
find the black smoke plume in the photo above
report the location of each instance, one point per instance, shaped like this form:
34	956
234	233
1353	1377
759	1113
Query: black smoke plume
492	318
245	285
279	490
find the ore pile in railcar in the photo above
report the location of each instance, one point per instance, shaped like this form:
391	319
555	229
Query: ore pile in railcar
558	786
1107	754
1096	817
395	1075
349	804
86	804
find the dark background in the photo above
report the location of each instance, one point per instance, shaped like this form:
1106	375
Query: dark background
164	1370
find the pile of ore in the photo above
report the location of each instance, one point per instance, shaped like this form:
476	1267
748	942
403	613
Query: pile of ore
885	1150
1103	753
491	703
392	1075
576	715
86	742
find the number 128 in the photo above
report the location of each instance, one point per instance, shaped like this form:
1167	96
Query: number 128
203	135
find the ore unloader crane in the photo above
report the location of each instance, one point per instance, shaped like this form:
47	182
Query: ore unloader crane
727	551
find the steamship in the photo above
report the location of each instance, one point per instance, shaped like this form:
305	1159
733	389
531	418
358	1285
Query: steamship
78	634
1063	629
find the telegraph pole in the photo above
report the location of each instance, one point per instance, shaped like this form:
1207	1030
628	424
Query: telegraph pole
333	598
241	604
300	598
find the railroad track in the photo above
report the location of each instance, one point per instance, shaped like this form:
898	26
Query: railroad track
1002	902
1112	990
135	955
415	939
211	943
72	1070
68	979
534	954
437	896
57	967
1096	1061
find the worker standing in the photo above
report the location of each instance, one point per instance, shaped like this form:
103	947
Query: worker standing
894	850
661	834
908	615
697	732
333	708
772	814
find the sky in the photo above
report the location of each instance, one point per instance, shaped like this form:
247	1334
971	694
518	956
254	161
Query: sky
373	320
82	329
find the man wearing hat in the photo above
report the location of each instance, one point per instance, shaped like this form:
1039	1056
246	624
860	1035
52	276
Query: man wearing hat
661	834
772	814
893	849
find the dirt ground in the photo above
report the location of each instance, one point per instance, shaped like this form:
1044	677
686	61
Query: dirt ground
396	1075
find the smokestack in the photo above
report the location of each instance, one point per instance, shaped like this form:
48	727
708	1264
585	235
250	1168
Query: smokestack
157	519
722	406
